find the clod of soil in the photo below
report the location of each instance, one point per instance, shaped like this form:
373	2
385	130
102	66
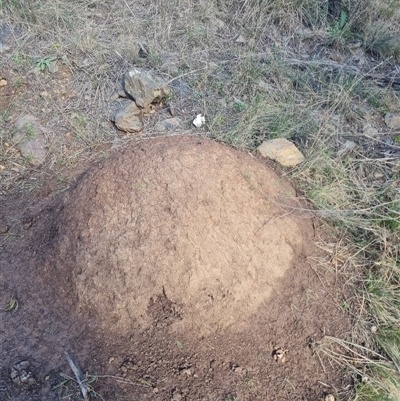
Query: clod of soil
208	228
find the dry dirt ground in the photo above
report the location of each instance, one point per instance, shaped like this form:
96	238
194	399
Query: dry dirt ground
175	269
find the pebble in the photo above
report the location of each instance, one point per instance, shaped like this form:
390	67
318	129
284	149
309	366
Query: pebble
241	39
168	124
370	130
392	120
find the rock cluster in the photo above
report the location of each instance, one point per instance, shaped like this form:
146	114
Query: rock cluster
20	374
143	91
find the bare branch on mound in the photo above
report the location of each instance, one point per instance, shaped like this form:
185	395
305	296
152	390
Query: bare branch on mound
78	374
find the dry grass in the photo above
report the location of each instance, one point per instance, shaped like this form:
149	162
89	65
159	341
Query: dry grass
304	73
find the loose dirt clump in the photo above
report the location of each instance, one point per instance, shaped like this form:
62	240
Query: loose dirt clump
176	269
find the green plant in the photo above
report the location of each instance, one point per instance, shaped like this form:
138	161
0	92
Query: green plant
45	62
30	131
340	31
239	106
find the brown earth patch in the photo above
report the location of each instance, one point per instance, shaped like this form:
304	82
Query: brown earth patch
172	270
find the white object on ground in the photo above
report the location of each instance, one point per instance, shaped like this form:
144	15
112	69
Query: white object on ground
199	121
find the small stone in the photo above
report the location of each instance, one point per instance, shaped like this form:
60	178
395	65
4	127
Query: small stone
129	123
14	374
30	139
3	82
370	130
127	119
21	365
169	124
45	95
392	121
120	89
4	228
53	67
282	151
329	397
373	329
31	381
145	87
186	372
24	377
241	39
176	397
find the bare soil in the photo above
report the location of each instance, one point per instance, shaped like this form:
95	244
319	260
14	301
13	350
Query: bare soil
173	270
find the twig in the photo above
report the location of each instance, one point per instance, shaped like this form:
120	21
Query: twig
78	374
346	68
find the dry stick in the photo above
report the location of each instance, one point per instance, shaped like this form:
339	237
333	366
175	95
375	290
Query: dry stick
346	68
78	374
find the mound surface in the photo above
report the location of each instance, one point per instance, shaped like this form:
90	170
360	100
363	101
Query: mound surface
190	226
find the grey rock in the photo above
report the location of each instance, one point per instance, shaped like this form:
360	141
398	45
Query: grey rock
119	105
181	88
145	87
24	377
21	365
282	151
14	374
368	129
120	89
168	124
30	139
241	39
392	120
128	118
53	67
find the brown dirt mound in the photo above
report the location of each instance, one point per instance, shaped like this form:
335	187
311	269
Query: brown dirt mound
207	227
171	271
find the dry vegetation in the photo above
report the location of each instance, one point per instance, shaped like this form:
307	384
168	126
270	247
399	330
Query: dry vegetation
314	71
